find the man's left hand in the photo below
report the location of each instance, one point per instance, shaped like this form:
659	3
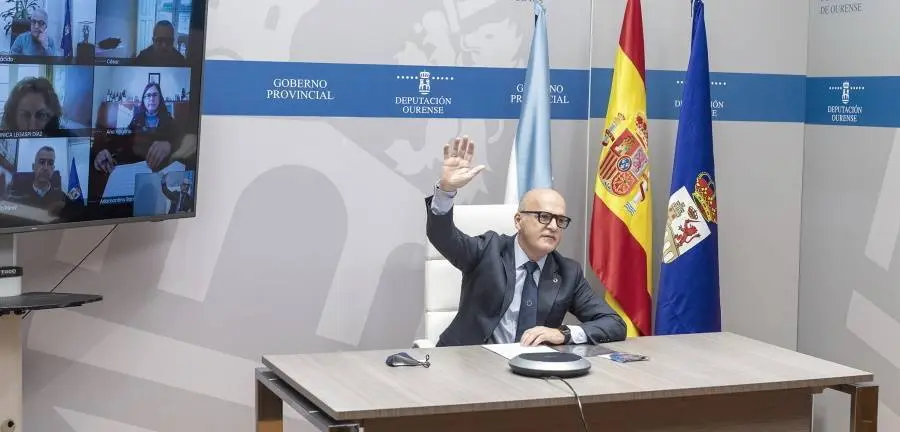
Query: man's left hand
538	335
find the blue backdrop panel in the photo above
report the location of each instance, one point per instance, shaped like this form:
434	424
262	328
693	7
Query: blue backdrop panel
365	90
735	96
391	91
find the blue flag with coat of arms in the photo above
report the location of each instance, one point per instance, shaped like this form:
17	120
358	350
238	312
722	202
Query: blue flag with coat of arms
73	190
687	299
66	43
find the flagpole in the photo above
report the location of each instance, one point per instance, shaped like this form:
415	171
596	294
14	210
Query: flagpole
589	166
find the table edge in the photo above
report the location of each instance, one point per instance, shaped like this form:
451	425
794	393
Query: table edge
303	391
566	397
267	379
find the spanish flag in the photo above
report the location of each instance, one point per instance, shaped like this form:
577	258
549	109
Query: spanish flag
621	231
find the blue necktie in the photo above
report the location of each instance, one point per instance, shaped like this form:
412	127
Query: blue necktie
528	307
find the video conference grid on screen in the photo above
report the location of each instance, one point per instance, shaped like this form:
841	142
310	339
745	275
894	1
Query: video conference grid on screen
99	117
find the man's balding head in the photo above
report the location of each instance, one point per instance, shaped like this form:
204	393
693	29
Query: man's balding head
545	196
540	221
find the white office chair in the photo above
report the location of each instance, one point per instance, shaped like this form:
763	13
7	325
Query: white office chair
442	280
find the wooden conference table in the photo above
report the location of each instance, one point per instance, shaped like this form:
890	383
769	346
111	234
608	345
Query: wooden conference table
699	382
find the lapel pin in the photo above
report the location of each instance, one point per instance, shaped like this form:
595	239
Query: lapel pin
555	278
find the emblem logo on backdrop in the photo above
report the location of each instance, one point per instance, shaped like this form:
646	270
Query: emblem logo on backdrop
425	103
843	110
424	83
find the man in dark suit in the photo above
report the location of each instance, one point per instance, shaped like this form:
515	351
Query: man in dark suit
181	200
41	192
514	288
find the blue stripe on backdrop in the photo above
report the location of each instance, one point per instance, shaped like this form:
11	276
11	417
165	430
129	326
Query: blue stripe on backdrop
735	96
391	91
361	90
853	101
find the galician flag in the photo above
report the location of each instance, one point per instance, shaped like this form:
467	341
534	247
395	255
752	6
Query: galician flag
529	161
621	232
688	294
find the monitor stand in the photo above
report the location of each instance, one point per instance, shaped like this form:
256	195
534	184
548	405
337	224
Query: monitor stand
13	305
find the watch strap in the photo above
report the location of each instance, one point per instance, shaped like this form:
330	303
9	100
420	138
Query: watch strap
567	334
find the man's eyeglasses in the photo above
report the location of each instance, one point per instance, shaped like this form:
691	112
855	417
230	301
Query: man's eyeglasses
546	217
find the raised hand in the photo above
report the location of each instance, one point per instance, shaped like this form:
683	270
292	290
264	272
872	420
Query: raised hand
457	170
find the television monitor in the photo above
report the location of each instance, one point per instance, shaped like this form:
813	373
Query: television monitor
100	105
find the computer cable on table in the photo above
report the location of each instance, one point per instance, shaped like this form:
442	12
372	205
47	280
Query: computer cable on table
58	284
577	399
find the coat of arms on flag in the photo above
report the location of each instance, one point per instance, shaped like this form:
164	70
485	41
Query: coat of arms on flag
74	193
689	216
74	188
625	162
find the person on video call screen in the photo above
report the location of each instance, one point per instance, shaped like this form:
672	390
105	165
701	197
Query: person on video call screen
180	200
162	51
32	105
35	42
153	135
41	192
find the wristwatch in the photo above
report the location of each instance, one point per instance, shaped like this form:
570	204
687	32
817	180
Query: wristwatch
567	334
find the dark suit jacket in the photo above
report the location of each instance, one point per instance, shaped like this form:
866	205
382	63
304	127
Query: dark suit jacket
187	201
488	283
